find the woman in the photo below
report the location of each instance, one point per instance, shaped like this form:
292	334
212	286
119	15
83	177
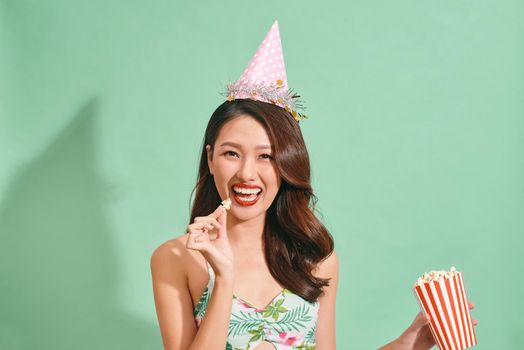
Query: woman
264	274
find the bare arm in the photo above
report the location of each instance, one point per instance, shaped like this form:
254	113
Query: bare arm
325	334
174	305
214	326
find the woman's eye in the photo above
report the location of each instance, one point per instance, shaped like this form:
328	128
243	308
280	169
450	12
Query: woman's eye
235	154
230	153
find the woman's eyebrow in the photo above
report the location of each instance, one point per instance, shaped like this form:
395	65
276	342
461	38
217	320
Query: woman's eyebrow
236	145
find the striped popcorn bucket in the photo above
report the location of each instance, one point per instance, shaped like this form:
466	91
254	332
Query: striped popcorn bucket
446	304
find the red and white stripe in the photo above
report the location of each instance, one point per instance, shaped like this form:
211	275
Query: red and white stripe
450	320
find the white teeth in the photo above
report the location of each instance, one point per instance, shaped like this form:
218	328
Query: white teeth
247	199
247	190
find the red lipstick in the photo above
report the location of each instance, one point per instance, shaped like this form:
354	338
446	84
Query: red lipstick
245	194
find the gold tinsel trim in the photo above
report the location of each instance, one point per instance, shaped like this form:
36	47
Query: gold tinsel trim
273	93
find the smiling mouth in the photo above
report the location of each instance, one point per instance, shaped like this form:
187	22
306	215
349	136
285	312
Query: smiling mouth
245	196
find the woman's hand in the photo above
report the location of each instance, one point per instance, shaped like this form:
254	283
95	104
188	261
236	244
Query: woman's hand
217	252
418	335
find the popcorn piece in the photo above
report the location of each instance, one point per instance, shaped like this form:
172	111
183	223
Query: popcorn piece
436	275
226	203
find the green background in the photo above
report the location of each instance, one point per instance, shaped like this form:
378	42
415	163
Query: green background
416	137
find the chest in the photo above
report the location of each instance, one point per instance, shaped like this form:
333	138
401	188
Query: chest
253	281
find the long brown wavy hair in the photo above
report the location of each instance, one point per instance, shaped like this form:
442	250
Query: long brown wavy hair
294	238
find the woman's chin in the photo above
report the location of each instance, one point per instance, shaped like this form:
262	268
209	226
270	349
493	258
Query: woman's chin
246	213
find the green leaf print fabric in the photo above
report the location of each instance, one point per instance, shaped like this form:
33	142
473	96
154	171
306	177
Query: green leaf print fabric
288	321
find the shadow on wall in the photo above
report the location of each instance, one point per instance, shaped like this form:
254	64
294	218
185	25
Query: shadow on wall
58	266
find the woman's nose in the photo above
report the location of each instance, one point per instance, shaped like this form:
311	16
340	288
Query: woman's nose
247	170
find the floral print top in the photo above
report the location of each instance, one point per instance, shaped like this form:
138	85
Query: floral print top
288	322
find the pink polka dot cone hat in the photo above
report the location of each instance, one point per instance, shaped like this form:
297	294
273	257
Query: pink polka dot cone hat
265	78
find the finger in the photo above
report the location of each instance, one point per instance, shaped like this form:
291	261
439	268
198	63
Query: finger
471	305
475	322
200	238
194	230
218	211
192	240
222	220
213	222
209	224
420	321
198	241
209	219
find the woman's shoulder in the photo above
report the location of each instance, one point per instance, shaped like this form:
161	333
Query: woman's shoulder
172	254
172	248
327	268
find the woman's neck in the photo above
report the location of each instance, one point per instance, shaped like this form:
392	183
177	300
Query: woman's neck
246	234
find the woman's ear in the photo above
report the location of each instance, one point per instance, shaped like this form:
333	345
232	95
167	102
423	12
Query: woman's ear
209	158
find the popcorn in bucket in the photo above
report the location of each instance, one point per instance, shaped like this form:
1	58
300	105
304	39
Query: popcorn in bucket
442	296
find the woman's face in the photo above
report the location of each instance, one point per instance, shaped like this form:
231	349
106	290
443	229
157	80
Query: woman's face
243	168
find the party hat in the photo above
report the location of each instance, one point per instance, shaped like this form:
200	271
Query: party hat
264	79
